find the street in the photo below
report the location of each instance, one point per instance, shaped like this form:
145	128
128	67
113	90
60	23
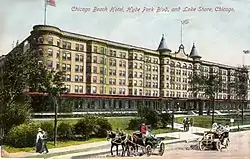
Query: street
239	149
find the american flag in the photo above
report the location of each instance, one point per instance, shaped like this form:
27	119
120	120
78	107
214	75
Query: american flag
246	51
186	21
51	2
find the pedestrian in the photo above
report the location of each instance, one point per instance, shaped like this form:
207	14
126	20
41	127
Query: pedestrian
39	142
184	124
45	149
191	122
187	124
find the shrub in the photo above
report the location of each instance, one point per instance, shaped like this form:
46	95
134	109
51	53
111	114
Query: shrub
85	127
65	130
151	116
166	119
103	126
23	135
48	127
135	123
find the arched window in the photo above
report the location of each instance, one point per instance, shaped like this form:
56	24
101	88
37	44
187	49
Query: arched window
172	63
184	65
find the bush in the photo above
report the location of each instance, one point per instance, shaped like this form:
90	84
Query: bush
151	116
92	126
166	119
85	127
23	135
135	123
65	130
103	126
48	127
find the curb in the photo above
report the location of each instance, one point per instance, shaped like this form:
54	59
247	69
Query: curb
76	156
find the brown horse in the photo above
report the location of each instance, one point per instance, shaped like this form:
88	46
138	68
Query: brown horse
134	141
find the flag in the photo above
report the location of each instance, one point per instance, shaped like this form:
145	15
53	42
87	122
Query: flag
246	51
186	21
51	3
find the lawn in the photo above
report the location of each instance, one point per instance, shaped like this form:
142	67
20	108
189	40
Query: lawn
206	121
117	123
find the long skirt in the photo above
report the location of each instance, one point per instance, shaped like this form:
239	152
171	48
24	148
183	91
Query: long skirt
39	146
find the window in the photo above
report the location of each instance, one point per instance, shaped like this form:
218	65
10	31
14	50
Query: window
77	47
76	89
94	69
80	78
76	78
76	68
50	40
50	64
68	88
58	43
68	56
68	78
81	58
77	57
57	54
81	69
68	45
68	67
81	89
57	65
40	40
94	89
81	47
64	67
50	52
95	49
94	59
94	79
64	56
64	45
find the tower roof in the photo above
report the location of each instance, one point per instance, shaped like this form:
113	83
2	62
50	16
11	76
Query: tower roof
194	53
163	45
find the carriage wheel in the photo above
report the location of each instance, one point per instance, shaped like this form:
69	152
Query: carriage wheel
162	149
201	146
148	150
218	145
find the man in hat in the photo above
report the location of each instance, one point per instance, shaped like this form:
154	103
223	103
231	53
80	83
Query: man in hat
144	132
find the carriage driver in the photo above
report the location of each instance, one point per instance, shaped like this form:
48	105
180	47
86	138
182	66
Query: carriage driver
144	131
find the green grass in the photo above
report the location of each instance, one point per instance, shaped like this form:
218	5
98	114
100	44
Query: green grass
206	121
117	123
50	145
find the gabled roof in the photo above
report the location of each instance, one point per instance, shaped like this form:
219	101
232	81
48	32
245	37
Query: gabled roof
163	45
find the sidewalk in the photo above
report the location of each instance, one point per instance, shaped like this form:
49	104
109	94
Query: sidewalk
104	146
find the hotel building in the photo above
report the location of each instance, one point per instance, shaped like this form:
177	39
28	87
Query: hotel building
103	75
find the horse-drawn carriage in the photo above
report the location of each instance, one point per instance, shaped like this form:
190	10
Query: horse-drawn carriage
216	139
132	143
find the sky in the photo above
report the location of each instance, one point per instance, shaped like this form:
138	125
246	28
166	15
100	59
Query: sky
218	36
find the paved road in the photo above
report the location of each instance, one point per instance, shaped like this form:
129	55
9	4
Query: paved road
239	149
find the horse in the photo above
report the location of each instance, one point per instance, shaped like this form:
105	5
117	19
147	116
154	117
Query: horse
134	141
116	140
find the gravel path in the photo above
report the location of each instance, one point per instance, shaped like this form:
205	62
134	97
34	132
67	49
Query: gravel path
239	149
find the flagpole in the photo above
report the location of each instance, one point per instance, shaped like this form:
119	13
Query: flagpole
45	11
181	32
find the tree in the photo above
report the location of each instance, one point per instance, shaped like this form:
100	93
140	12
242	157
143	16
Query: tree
195	86
15	105
23	73
212	85
239	86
